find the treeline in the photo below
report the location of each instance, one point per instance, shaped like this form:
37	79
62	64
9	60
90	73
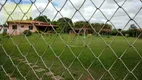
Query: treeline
133	31
66	24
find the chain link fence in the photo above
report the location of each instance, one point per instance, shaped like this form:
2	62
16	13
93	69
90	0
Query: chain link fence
70	40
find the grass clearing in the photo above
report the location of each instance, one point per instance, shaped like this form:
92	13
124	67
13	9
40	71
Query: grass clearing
67	49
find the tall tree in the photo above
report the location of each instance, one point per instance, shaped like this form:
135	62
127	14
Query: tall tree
133	30
132	26
42	18
96	26
5	25
81	24
30	18
54	22
106	26
64	24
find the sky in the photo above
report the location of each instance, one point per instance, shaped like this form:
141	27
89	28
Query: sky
90	10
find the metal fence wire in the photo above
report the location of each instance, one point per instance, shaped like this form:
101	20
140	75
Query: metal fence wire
70	39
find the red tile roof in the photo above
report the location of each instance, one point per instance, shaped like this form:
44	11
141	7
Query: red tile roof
37	23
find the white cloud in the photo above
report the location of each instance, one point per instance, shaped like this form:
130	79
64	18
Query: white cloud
108	8
2	1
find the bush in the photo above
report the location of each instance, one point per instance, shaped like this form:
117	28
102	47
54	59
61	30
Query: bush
89	35
41	32
27	32
4	32
37	31
127	35
108	36
50	32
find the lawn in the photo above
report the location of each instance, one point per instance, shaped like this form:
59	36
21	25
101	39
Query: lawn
72	57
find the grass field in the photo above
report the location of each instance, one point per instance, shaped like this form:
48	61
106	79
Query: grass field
77	54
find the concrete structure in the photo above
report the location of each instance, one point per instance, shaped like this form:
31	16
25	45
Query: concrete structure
17	27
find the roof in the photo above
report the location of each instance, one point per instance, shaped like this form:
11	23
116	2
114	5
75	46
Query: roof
24	21
37	23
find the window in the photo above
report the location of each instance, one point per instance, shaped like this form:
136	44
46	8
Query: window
14	26
30	27
22	26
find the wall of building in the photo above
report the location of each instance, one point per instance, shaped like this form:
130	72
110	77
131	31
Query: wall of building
20	29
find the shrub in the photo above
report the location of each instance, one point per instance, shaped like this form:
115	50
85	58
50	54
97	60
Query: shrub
37	31
108	36
89	35
50	32
41	32
27	32
127	35
4	32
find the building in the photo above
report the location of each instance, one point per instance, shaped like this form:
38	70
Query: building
17	27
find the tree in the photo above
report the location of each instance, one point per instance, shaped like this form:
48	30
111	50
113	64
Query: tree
30	18
96	26
119	29
54	22
133	30
106	26
81	24
42	18
5	25
65	24
132	26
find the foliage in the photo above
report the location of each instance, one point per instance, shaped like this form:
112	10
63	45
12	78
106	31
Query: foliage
102	28
42	18
5	25
27	32
64	24
96	26
106	26
132	30
30	18
89	35
58	30
114	32
127	35
81	24
119	29
133	27
4	32
117	32
54	22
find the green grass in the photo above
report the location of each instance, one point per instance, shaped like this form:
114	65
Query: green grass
48	47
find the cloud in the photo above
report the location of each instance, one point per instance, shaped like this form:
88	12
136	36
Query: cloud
2	2
88	10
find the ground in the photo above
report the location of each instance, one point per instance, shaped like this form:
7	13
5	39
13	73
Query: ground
72	57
